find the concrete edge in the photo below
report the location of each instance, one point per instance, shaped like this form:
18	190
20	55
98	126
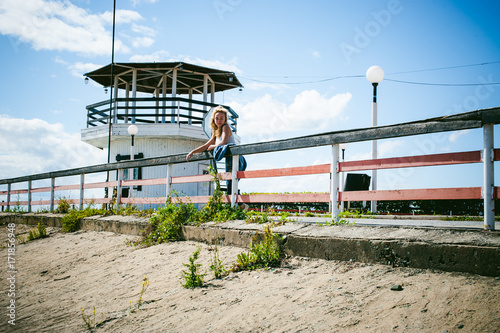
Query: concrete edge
474	259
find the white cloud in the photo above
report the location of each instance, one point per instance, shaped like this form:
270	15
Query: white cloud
143	30
138	2
456	134
142	42
266	86
229	65
80	68
57	25
266	117
389	147
164	56
35	146
158	56
316	54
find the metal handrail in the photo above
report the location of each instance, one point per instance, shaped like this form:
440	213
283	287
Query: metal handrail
138	110
484	118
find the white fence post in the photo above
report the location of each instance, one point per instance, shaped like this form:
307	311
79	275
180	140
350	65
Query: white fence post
168	180
334	182
234	179
119	189
82	181
52	193
29	196
488	186
9	187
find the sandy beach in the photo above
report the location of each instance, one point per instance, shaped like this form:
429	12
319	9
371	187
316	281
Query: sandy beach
58	276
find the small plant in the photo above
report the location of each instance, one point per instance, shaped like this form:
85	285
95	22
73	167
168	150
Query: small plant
40	232
133	210
463	218
214	204
192	277
216	265
20	239
91	320
217	211
333	222
354	214
165	225
264	254
63	206
17	208
145	285
256	217
71	221
308	214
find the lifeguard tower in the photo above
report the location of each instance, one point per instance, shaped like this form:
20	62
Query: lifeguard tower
167	102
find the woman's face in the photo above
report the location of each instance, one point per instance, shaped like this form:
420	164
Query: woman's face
220	119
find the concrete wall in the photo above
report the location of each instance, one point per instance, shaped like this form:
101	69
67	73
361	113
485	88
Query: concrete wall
474	252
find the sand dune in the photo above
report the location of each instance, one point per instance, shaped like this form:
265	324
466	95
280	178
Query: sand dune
58	276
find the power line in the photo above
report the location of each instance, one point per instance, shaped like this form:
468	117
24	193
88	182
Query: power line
304	82
449	67
393	80
445	84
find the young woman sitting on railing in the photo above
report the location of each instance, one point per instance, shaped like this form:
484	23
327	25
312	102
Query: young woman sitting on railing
221	138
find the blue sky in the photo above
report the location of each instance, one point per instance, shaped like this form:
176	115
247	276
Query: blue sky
296	60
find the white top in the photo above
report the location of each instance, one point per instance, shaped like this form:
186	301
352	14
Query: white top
229	141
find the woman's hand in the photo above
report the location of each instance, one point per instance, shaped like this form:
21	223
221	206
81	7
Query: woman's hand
211	147
189	156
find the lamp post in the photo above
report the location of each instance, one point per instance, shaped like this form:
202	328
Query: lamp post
375	75
342	147
132	130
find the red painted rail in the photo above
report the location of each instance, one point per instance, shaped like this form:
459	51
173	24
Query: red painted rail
380	195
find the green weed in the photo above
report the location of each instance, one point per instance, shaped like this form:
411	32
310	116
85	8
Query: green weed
91	320
263	254
333	222
192	277
145	286
40	232
71	221
63	207
216	265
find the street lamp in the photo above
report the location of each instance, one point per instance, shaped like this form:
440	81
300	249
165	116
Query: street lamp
375	75
343	147
132	130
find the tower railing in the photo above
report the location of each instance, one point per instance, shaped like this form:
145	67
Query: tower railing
153	110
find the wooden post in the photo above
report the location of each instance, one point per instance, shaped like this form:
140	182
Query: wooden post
168	180
52	193
9	187
488	186
334	182
29	195
234	179
82	181
119	189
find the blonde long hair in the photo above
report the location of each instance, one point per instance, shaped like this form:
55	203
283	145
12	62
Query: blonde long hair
217	130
